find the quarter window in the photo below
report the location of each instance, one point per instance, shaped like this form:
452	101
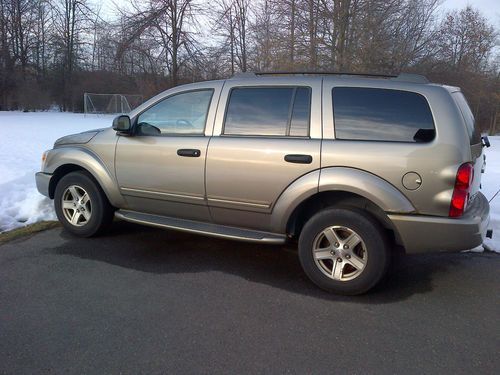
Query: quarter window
470	122
381	115
268	111
184	113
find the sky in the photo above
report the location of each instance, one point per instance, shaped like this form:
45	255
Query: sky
489	8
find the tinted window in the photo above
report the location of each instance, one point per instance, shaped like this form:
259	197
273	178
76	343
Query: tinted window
268	111
184	113
299	126
470	122
381	115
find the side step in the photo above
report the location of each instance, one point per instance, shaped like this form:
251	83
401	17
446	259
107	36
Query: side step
207	229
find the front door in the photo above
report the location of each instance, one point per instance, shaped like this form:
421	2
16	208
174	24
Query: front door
161	168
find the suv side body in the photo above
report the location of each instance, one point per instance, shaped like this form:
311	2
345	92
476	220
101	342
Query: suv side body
229	178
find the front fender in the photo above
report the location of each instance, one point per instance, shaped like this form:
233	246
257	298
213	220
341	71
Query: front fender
351	180
88	160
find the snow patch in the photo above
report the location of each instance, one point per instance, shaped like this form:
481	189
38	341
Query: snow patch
23	139
490	186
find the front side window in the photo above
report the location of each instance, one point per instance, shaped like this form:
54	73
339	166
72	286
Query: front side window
381	115
268	111
184	113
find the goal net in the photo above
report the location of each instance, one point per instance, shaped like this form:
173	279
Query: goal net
110	103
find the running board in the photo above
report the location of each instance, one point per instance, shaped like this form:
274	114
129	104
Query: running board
207	229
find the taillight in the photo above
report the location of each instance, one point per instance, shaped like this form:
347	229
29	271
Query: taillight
463	182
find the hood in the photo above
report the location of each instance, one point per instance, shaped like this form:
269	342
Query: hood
79	138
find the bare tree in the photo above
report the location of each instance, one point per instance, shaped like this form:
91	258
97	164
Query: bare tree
241	10
167	22
466	39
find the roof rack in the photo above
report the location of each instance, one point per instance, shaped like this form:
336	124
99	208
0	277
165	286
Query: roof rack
324	73
402	77
411	77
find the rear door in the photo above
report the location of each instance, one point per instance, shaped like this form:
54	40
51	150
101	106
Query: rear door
267	135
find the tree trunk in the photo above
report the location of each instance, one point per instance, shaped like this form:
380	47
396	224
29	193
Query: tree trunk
292	32
493	125
312	34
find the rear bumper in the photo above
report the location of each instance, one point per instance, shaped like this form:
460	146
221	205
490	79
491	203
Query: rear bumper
43	183
420	234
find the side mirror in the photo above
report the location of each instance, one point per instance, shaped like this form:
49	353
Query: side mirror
122	124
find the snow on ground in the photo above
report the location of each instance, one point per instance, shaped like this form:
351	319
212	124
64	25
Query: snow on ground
24	137
490	186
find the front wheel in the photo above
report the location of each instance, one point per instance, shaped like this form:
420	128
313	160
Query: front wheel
343	251
81	205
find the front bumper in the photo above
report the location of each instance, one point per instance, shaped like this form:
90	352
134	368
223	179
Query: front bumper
43	183
420	234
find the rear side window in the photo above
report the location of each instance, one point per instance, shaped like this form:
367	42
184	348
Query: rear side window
470	122
268	111
371	114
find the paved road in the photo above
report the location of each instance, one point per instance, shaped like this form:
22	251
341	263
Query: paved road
147	301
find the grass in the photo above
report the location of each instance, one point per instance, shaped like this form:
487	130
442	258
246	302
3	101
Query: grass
27	231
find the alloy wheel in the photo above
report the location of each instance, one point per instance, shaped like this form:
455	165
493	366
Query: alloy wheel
76	205
340	253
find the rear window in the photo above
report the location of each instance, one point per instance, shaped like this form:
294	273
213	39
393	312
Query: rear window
372	114
470	122
268	111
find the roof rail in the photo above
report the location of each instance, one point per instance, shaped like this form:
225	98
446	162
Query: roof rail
244	75
324	73
410	77
402	77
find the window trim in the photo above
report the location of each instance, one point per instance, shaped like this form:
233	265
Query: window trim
290	112
202	133
379	140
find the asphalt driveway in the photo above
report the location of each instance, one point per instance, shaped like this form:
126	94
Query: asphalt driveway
141	300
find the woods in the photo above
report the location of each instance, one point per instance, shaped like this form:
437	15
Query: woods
51	51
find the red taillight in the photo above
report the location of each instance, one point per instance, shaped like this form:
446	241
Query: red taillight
463	182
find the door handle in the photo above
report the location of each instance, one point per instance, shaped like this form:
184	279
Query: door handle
298	159
189	152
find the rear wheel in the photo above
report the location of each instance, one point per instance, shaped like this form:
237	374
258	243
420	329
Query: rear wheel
343	251
81	205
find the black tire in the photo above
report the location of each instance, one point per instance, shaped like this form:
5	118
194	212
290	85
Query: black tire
376	250
101	210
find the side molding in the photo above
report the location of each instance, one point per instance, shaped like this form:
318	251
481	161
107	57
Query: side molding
86	159
351	180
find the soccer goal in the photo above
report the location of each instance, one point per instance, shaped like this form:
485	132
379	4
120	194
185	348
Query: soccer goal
110	103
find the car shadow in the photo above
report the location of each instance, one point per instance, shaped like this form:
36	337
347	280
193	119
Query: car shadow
162	251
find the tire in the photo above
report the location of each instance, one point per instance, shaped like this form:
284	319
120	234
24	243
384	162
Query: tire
86	211
322	250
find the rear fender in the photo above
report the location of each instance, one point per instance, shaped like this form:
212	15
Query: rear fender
356	181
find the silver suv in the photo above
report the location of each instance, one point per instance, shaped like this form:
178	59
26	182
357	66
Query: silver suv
350	166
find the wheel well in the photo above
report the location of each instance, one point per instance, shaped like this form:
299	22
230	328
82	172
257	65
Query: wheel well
304	211
59	173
